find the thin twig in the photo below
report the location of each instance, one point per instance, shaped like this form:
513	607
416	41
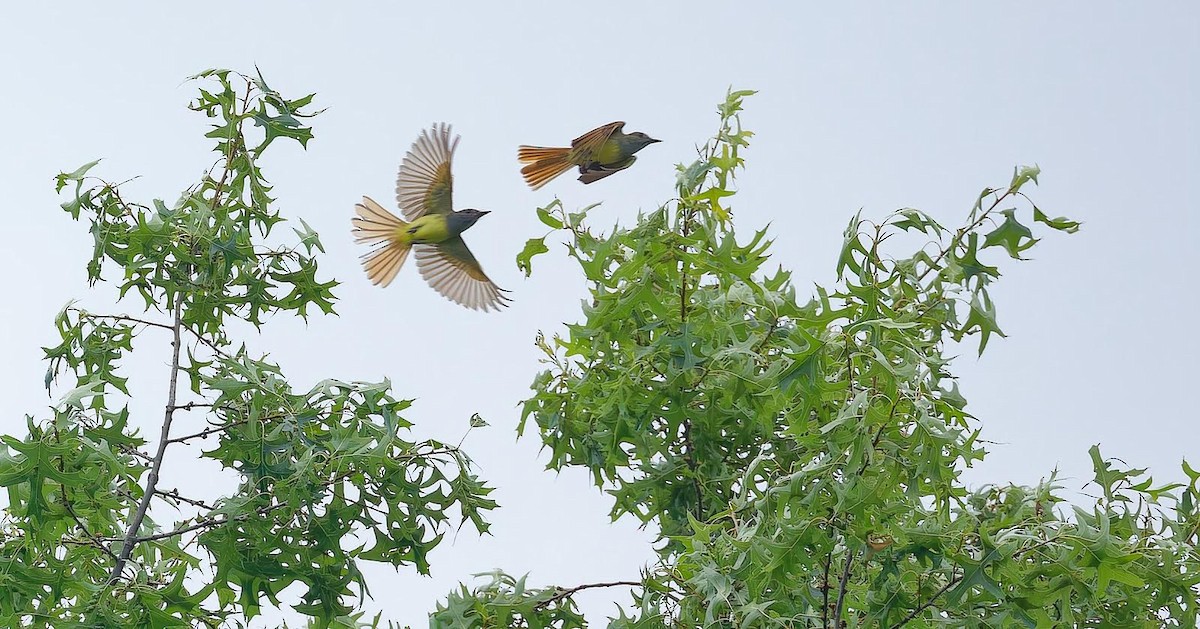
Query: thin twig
190	405
154	324
878	435
564	593
825	592
204	433
94	540
132	451
958	236
164	439
841	599
208	522
927	604
265	509
125	318
173	494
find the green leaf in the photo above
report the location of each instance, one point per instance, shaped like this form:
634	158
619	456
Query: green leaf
1108	572
918	220
975	576
1011	235
309	238
1061	223
533	247
981	319
75	397
76	175
548	220
1023	175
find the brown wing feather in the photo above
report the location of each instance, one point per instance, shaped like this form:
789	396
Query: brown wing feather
451	269
589	143
424	184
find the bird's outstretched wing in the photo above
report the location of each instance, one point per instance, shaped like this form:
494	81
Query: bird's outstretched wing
588	144
424	184
451	270
595	172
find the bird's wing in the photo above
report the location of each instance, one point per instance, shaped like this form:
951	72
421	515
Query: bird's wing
595	172
589	143
451	270
424	184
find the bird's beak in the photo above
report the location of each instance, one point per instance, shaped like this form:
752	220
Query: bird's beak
485	211
652	140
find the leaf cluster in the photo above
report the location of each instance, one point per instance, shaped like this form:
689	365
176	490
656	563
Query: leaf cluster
801	460
324	477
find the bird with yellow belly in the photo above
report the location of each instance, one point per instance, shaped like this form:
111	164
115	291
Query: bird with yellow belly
598	154
433	230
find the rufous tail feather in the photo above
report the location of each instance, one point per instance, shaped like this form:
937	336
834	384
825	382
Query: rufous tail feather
546	164
377	226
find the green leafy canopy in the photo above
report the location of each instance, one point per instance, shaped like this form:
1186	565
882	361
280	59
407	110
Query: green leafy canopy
326	477
801	459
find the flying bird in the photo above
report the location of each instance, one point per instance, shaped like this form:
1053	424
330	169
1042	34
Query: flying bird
598	154
432	229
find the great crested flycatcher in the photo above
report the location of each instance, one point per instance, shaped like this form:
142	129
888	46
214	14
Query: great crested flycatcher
433	228
598	154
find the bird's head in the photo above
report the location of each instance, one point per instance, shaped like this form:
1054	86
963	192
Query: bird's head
638	141
467	217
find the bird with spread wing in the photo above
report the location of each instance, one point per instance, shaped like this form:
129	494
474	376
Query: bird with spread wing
598	154
433	230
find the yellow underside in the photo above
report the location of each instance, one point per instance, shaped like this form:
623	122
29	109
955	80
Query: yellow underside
428	228
609	152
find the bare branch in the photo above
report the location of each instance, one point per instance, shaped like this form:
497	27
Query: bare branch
825	592
122	318
562	593
164	440
191	405
206	523
210	431
841	598
173	494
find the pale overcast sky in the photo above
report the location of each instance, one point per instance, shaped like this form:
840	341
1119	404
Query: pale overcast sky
875	107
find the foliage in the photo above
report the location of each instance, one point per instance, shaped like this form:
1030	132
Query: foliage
802	460
506	602
326	478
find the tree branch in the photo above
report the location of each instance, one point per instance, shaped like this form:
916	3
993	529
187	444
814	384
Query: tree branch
173	494
927	604
154	324
122	318
131	538
265	509
958	236
841	599
191	405
564	593
207	522
878	435
207	432
825	592
690	460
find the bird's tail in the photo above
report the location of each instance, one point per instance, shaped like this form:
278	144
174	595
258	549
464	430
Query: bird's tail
544	164
377	226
